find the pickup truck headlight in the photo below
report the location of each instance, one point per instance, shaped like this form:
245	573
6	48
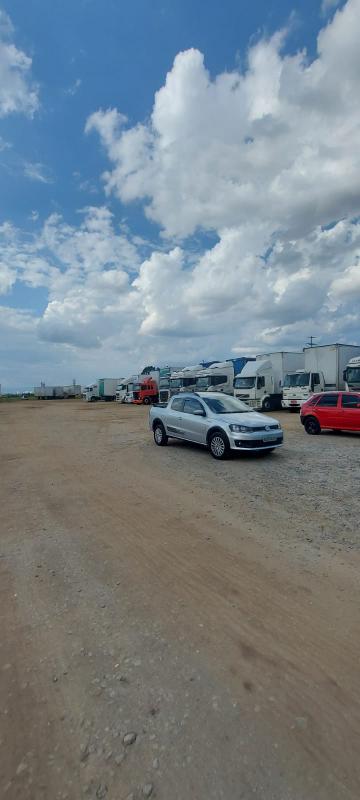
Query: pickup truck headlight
239	428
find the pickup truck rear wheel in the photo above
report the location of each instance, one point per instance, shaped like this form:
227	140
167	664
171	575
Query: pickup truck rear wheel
219	445
160	437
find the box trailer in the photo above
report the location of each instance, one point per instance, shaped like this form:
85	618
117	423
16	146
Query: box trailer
103	389
260	383
324	369
49	392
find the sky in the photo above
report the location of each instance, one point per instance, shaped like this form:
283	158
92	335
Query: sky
179	181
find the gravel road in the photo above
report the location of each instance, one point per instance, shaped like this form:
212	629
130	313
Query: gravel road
174	627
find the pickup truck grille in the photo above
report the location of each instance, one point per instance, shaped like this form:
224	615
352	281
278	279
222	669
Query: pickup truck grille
256	443
266	428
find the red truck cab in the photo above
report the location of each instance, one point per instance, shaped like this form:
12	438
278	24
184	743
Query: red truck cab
145	392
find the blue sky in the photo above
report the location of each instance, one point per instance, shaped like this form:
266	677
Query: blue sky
172	227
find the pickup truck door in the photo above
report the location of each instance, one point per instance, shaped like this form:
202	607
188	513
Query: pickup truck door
194	422
173	417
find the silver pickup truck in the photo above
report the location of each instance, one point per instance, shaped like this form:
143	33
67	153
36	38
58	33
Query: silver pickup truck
220	422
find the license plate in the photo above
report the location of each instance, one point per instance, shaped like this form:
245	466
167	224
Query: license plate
293	402
271	438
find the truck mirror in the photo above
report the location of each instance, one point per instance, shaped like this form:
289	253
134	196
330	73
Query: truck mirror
344	375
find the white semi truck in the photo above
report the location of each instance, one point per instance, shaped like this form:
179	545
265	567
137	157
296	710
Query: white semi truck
323	371
220	376
184	380
103	389
165	390
260	383
352	375
125	387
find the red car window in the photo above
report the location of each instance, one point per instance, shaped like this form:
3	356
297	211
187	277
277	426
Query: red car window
328	400
350	401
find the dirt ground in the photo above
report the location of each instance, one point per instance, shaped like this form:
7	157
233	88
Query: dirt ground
211	609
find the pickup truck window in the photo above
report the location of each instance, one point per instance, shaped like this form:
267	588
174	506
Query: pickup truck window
191	405
177	404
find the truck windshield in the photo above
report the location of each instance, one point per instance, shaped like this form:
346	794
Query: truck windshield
176	383
296	379
135	387
164	383
226	405
244	383
203	383
353	376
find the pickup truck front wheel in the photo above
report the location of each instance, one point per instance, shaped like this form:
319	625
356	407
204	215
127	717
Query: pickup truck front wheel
160	437
219	445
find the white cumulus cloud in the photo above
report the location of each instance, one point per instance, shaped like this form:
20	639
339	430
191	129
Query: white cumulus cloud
18	92
268	160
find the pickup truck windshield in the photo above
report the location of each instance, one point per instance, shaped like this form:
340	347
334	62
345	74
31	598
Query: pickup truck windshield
226	405
244	383
296	379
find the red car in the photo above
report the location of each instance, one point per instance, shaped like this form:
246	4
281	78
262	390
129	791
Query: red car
339	411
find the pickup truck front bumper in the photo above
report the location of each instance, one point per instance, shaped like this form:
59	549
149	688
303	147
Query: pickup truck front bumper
256	441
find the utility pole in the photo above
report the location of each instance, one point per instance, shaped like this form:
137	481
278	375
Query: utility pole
311	342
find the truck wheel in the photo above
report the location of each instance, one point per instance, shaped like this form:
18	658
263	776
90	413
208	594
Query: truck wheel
219	445
160	437
266	406
146	401
312	426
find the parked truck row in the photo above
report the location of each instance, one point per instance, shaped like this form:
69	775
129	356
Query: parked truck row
266	382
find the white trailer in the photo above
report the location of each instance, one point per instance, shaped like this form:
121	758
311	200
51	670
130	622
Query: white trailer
49	392
103	389
323	371
260	382
73	390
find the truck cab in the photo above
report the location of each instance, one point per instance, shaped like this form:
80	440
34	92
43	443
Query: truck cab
217	378
299	386
352	375
123	389
184	380
255	385
145	392
91	393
